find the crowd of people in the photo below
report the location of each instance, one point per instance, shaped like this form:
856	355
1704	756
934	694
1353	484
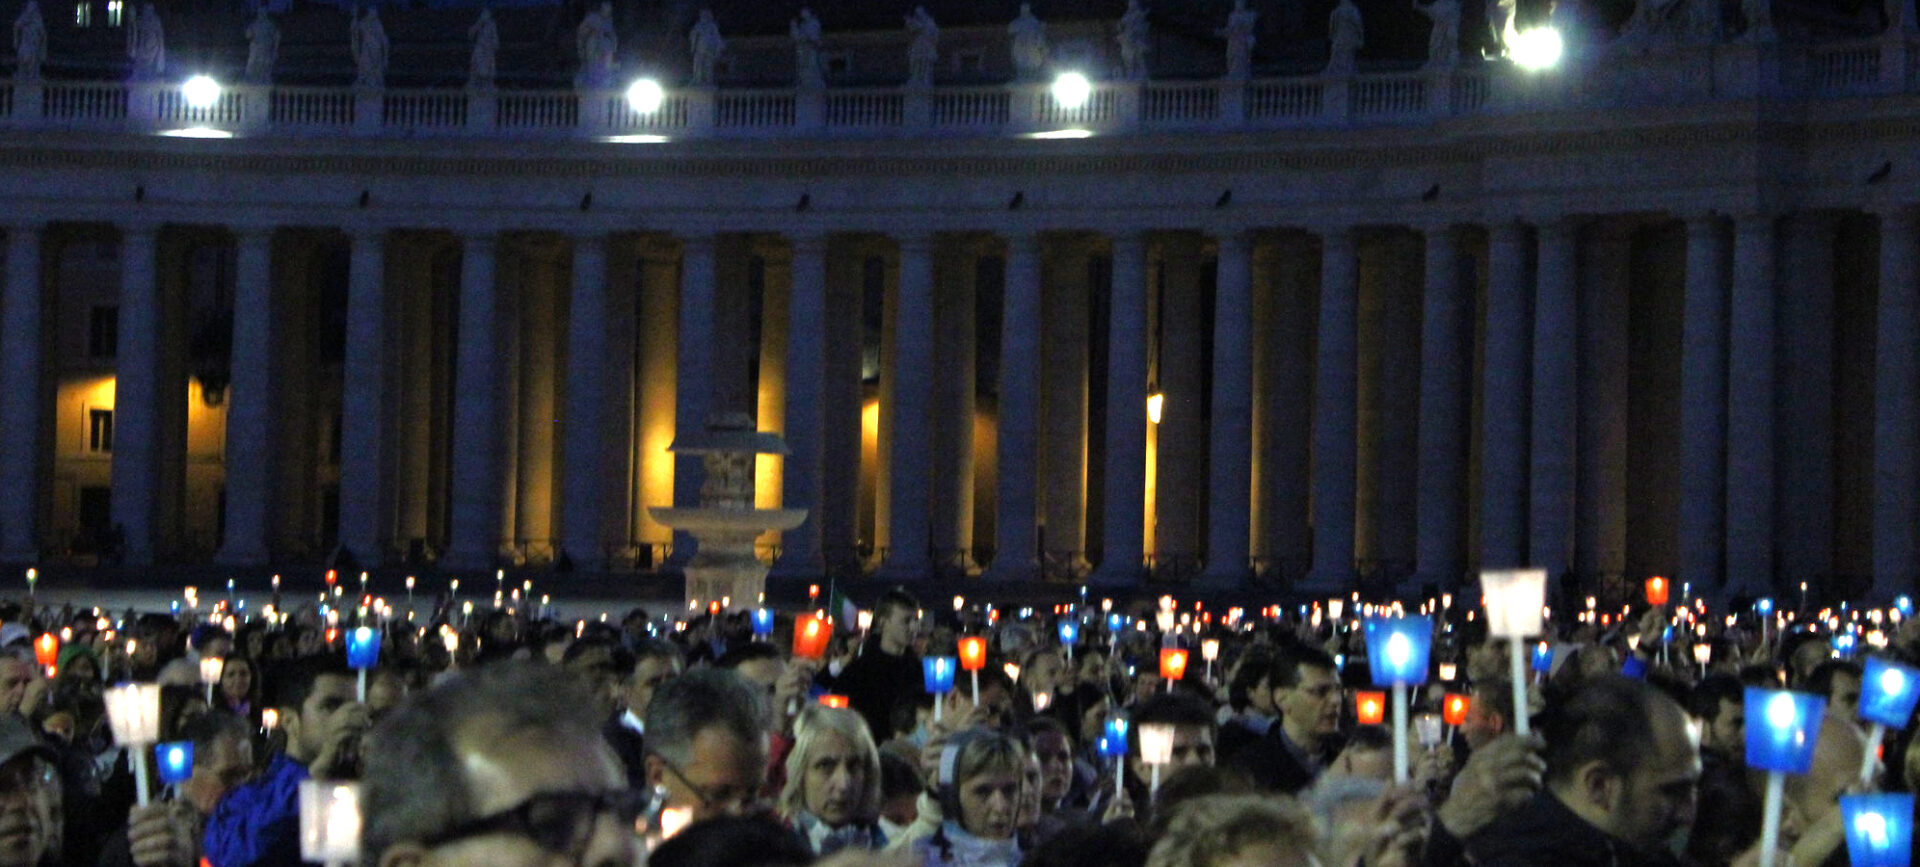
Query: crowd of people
515	738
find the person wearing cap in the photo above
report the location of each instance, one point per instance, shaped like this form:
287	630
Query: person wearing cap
29	797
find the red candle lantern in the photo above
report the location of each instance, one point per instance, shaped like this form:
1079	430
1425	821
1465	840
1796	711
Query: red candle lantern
1370	707
1453	710
46	649
834	701
1657	591
810	636
973	653
1173	663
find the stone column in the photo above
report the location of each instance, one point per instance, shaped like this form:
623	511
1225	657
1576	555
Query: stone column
1556	371
362	405
581	520
1180	439
250	402
478	438
1805	426
1016	543
806	423
1063	381
1286	419
839	505
694	399
1446	361
1336	408
951	408
1601	502
910	472
1703	407
20	407
1896	415
1122	543
1504	378
136	415
1750	381
1230	451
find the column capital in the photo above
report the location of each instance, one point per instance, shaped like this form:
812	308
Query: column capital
810	240
1241	236
917	241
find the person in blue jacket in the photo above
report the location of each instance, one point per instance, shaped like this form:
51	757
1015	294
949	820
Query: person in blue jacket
258	824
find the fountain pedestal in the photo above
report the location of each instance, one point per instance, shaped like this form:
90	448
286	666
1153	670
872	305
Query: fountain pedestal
725	567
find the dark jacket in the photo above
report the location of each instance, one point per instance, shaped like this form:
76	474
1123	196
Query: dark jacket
631	747
875	682
1545	832
1275	764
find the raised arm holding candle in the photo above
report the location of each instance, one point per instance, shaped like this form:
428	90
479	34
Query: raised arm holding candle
1888	693
1397	654
1516	602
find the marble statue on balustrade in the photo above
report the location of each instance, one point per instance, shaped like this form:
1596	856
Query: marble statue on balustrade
1240	38
705	44
370	50
1500	15
805	31
596	44
1133	40
29	43
486	51
263	48
1029	36
147	45
924	51
1346	34
1443	42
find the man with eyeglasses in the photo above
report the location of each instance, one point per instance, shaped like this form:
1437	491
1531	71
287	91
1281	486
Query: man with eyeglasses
707	744
29	797
502	766
1306	691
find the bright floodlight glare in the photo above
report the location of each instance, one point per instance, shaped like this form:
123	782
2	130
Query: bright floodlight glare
200	91
1071	90
645	96
1536	49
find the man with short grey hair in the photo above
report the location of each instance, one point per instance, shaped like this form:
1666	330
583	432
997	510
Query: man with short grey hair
501	765
707	743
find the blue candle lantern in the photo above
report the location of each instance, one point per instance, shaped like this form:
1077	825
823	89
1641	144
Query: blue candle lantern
1903	604
1634	668
1879	829
1764	605
938	671
1888	692
1069	633
762	622
1543	658
1116	622
1844	643
1113	743
176	762
1398	649
1782	727
363	648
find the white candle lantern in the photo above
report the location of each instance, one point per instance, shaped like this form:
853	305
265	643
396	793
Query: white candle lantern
1156	749
329	822
1516	601
133	712
211	668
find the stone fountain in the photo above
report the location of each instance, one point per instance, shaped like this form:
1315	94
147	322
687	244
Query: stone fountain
726	524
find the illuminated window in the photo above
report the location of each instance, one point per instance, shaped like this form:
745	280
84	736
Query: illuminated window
100	431
83	15
114	10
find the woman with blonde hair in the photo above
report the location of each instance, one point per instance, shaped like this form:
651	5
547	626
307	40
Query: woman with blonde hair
832	796
981	777
1236	831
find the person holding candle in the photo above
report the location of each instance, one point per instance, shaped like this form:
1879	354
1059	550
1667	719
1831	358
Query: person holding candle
258	823
1194	730
1307	693
500	766
887	669
1621	770
832	795
167	833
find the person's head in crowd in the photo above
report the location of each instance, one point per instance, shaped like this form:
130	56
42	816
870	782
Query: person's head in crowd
1093	720
1042	670
1837	680
1236	830
179	706
1803	651
634	625
1090	666
1190	783
1368	754
980	777
1194	731
1031	808
1728	818
757	663
222	759
16	674
1837	756
77	665
58	718
895	617
1623	757
707	742
996	697
900	788
210	640
833	770
655	662
732	841
1251	687
1306	691
606	664
321	715
30	797
501	765
239	682
1053	750
1089	845
386	688
1489	701
1719	703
